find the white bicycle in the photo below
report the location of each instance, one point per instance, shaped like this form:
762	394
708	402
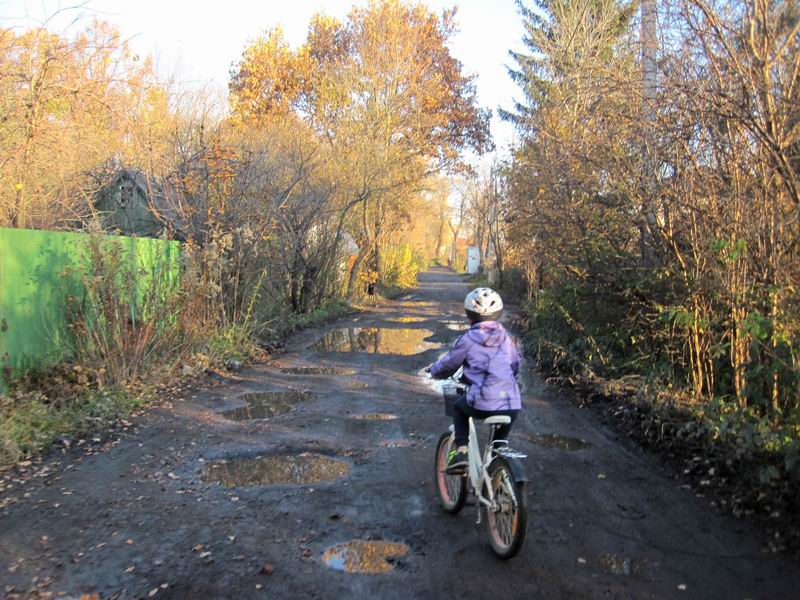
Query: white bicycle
494	476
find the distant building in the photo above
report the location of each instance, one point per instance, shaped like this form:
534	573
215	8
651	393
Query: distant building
133	203
473	260
320	235
348	246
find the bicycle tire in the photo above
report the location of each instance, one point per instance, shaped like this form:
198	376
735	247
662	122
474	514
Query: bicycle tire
451	489
506	531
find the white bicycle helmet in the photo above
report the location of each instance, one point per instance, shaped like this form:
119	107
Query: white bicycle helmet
483	304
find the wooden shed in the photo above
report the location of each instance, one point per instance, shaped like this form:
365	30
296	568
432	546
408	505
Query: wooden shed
134	203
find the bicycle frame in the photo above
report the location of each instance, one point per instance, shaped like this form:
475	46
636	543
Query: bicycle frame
479	466
478	469
493	475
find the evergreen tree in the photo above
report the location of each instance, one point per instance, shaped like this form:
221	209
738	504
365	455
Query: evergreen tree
561	36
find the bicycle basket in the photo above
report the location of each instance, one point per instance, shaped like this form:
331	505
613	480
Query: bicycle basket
452	392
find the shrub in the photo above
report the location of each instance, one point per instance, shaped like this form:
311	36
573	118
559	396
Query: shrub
401	266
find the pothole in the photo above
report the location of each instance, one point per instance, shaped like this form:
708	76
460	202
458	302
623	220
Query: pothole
562	442
376	340
364	556
617	565
282	469
317	371
263	405
376	416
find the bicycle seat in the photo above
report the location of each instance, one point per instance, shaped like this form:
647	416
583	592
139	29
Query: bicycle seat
498	420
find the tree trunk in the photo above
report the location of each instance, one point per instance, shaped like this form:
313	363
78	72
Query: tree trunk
354	271
439	240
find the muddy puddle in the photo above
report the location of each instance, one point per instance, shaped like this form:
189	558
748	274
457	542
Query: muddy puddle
408	319
562	442
376	340
263	405
364	556
356	385
316	371
376	416
285	469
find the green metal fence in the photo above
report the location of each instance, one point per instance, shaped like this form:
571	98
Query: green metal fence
39	270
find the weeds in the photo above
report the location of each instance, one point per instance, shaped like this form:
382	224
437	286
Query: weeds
401	265
30	422
231	342
127	314
392	292
280	326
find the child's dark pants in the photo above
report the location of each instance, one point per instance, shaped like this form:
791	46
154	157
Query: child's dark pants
461	413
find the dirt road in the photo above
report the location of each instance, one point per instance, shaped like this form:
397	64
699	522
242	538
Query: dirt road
169	510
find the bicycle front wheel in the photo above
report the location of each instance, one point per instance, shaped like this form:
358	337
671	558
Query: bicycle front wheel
507	520
452	489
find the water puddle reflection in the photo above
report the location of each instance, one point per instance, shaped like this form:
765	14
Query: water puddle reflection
263	405
376	340
408	319
562	442
286	469
376	416
363	556
317	371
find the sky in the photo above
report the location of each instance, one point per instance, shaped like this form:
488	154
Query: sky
198	41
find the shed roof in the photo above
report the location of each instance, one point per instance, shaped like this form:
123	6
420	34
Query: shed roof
163	199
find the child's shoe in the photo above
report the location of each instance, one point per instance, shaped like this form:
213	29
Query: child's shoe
457	462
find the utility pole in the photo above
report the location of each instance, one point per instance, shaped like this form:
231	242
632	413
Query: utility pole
649	27
649	49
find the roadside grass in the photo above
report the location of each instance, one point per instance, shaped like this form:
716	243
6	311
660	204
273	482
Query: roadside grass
478	280
510	289
324	314
746	463
393	292
69	401
278	328
231	342
31	422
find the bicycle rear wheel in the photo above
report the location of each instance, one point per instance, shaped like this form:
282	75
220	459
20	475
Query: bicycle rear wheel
506	521
452	489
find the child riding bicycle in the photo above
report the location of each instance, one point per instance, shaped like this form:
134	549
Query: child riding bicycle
491	363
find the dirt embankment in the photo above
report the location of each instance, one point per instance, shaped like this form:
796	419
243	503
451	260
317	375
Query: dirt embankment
752	486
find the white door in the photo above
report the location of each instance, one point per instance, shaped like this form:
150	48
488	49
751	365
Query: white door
473	259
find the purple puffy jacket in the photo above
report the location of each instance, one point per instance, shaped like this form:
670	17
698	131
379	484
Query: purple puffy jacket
491	363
